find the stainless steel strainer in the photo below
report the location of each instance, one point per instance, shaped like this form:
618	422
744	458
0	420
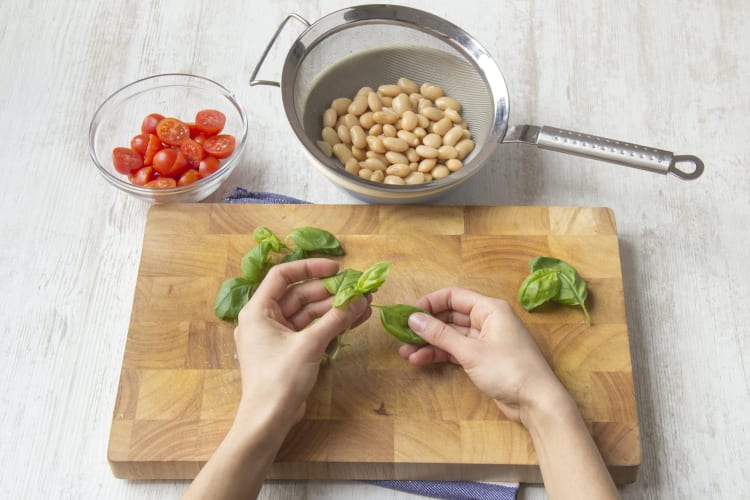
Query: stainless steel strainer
371	45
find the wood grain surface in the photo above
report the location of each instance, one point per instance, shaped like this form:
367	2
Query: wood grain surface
371	415
670	74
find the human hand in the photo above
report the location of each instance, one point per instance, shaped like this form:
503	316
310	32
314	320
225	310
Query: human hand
490	342
282	334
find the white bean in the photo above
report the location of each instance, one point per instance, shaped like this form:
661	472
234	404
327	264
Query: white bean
432	140
400	169
431	91
341	105
408	86
329	117
330	136
464	147
394	179
395	144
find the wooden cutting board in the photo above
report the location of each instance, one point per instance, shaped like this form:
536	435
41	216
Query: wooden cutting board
371	415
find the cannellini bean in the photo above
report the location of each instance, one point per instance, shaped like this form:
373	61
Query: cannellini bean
414	99
426	151
464	147
445	102
364	91
377	175
454	164
358	105
411	139
350	120
359	153
395	144
453	115
412	155
433	114
376	129
431	91
342	152
329	117
401	104
325	148
375	144
365	173
432	140
414	178
389	130
452	137
442	127
330	136
446	152
394	179
399	169
427	177
408	86
373	101
440	172
426	165
384	117
352	166
343	133
386	100
366	119
413	166
374	164
390	90
358	136
341	105
409	120
420	132
394	157
423	121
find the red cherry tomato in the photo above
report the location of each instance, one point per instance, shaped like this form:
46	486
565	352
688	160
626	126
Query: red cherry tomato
193	151
220	146
208	166
126	161
161	183
189	177
210	121
172	131
142	176
139	143
154	145
170	163
149	123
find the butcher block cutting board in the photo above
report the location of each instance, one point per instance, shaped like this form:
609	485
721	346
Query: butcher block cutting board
371	415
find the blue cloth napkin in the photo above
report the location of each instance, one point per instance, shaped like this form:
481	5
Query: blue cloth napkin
448	490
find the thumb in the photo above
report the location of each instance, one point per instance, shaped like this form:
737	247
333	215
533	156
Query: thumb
335	321
438	334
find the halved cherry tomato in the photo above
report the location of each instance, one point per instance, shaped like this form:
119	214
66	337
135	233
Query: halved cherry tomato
149	123
125	160
193	152
170	163
139	143
154	145
220	146
189	177
142	176
162	182
208	166
210	121
172	131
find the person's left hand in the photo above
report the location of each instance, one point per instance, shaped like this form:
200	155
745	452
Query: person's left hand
282	334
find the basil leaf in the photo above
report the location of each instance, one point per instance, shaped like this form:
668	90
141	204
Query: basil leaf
572	290
538	287
232	296
579	298
313	239
263	235
256	262
343	279
373	277
296	254
395	320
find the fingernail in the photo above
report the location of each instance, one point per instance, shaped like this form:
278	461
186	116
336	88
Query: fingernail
417	321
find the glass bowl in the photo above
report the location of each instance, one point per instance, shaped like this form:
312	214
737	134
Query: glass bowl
177	95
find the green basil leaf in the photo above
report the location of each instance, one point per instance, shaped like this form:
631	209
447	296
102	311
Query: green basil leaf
296	254
578	297
373	277
313	239
345	278
232	296
263	235
256	262
538	287
573	289
395	320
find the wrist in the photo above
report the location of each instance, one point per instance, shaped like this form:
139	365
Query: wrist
547	405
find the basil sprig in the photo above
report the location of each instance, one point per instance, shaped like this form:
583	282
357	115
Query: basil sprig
235	292
350	283
553	280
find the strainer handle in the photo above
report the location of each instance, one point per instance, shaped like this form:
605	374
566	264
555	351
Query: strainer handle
253	80
686	167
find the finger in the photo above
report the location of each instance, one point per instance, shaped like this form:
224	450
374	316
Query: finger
335	322
303	294
450	299
424	355
274	286
439	334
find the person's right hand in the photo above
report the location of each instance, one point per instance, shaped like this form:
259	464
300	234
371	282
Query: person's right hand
486	337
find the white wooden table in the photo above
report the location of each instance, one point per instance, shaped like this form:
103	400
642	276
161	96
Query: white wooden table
668	74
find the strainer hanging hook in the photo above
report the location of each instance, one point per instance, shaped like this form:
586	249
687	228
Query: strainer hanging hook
273	83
